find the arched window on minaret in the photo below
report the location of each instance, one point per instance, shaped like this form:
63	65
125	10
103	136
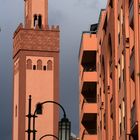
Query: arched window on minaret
44	68
40	21
49	65
35	20
29	64
39	64
34	67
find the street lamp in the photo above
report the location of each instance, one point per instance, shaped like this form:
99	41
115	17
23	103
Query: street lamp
64	129
64	124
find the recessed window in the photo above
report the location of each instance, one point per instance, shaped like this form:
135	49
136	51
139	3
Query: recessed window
49	65
34	67
44	68
111	3
40	21
120	121
35	20
39	64
104	121
29	64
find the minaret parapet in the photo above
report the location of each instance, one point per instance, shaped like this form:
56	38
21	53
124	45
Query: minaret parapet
20	26
49	27
53	27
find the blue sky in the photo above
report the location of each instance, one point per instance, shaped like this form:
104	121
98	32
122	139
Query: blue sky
73	16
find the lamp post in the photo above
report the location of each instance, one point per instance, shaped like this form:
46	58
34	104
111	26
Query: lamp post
64	124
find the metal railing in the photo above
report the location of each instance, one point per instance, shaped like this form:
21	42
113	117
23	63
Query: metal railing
90	100
133	115
89	132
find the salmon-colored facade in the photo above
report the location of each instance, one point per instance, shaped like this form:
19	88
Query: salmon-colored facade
88	86
118	71
36	71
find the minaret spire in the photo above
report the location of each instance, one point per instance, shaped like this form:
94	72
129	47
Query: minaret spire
36	13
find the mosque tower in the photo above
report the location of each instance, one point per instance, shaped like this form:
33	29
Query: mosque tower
36	71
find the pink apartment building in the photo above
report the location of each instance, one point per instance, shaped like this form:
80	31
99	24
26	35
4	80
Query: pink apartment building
88	85
118	73
36	71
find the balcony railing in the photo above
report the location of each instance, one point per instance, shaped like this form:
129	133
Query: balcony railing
133	116
90	100
89	132
132	57
89	68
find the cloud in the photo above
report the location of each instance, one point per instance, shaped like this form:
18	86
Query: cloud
73	17
88	3
56	16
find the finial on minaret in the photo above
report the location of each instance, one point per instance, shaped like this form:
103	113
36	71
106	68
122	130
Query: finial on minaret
36	13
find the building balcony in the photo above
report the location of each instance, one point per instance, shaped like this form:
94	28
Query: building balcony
91	135
89	92
133	117
88	60
111	108
89	42
89	76
134	124
89	122
89	108
131	11
132	63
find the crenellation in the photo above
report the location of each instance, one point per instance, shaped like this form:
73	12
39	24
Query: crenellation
20	26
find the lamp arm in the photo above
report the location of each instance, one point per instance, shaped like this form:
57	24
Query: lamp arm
48	135
45	102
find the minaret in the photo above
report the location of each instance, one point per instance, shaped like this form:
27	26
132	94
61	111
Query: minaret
36	13
36	71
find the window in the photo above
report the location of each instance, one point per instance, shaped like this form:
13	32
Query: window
34	67
49	65
111	3
121	16
104	121
122	59
29	64
35	20
105	24
123	115
40	21
44	67
119	31
39	64
120	121
130	3
133	76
